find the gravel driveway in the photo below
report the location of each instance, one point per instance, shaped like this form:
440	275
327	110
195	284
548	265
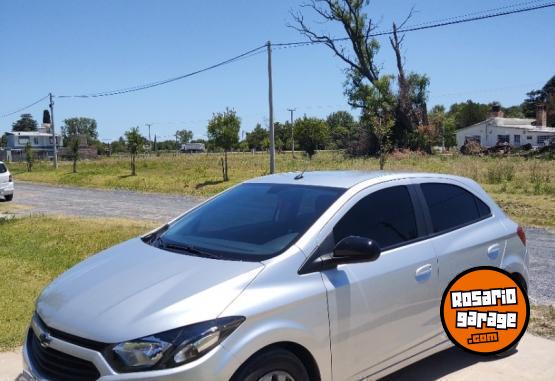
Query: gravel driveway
83	202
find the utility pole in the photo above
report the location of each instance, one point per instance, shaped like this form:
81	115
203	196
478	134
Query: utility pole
149	140
176	143
53	131
291	110
271	104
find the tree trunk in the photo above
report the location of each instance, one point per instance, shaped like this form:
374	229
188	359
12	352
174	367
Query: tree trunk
133	173
226	176
74	165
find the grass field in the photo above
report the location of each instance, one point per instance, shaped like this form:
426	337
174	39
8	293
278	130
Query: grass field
34	250
524	187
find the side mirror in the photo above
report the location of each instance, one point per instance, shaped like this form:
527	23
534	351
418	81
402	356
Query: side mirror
354	249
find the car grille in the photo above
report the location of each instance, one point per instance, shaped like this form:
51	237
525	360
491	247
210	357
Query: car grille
56	365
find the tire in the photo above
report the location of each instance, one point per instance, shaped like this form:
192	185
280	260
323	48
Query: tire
8	197
281	364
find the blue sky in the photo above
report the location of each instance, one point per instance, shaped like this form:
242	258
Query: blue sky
76	46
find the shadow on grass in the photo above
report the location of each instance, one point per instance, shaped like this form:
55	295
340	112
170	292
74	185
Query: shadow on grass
126	176
441	365
208	182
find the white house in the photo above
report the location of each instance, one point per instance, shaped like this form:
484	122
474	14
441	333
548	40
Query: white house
39	140
514	131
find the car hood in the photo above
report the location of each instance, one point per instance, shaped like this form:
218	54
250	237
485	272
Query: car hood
133	290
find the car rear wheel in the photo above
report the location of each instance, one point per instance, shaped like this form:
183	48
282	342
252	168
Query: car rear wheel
272	365
8	197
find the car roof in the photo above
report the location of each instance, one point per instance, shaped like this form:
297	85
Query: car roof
348	179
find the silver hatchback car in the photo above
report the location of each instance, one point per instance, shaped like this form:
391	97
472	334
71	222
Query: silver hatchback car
289	277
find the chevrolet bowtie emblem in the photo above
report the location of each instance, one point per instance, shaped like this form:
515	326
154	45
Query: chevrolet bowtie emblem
45	339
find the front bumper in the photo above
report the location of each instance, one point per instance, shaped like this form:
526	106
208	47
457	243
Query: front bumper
6	189
217	365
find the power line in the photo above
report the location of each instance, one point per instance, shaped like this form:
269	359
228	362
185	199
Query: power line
24	108
469	17
430	25
165	81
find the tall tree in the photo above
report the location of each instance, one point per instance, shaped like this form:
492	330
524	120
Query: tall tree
25	123
342	127
468	113
255	138
80	126
312	134
184	136
135	143
359	52
223	132
545	96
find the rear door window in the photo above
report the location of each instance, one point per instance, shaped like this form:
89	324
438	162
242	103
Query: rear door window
452	207
386	216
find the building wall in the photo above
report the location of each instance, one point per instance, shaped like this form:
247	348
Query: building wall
19	142
488	135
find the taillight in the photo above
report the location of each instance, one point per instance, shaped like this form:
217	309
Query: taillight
521	235
10	179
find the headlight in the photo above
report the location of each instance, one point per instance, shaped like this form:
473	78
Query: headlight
171	348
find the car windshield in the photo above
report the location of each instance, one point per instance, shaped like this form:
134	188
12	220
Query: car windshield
251	222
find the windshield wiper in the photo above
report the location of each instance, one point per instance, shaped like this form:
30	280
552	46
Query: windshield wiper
183	248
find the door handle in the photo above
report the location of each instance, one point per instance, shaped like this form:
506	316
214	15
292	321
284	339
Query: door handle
493	251
423	273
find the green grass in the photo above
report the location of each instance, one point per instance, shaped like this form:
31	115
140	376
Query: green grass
525	187
34	250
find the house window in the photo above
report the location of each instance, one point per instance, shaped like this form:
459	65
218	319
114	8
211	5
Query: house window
503	138
475	138
36	141
517	139
23	140
543	140
528	137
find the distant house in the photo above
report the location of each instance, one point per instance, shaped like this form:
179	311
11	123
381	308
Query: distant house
514	131
42	143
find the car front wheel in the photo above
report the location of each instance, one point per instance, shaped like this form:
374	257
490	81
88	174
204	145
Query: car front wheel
8	197
272	365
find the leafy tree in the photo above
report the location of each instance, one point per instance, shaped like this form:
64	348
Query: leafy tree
184	136
363	75
468	113
312	134
255	138
513	112
342	128
544	96
25	123
3	141
29	157
223	132
80	126
135	142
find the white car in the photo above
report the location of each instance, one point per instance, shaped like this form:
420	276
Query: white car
275	278
6	182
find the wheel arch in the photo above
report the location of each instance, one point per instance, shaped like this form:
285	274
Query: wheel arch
298	350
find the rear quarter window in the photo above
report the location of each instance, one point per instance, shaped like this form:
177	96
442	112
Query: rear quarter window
452	207
3	168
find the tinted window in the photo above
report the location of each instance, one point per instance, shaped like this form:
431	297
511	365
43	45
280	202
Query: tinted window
3	168
252	221
452	206
386	216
